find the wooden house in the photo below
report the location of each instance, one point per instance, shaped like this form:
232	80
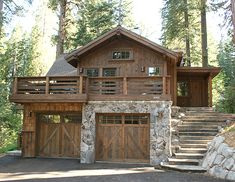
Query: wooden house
109	100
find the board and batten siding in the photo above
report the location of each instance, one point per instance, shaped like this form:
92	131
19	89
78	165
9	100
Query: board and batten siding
143	58
29	122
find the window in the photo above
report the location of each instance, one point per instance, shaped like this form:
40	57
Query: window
61	118
182	88
119	55
155	71
135	119
109	72
106	119
49	118
92	72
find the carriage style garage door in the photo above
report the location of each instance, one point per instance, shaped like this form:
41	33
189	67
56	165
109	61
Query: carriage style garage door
58	135
122	137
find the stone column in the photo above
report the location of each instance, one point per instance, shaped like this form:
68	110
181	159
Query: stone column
160	134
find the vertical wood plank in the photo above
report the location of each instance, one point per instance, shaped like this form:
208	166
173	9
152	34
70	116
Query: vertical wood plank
164	85
210	90
47	85
124	86
80	84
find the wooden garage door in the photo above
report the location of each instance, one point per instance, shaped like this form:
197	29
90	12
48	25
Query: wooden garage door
58	135
122	137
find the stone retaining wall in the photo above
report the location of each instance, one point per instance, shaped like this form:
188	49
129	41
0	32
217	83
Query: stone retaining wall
220	159
160	135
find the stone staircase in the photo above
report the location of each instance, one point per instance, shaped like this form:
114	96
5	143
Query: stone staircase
199	126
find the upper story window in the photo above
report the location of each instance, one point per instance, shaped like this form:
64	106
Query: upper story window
122	55
155	71
109	72
92	72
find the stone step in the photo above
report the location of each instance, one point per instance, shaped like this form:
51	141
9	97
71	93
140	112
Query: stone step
193	150
188	156
210	114
183	161
193	145
183	168
214	120
196	137
198	125
187	141
198	109
197	129
197	133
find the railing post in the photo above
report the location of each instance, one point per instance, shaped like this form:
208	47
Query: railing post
15	87
164	85
124	86
80	84
47	85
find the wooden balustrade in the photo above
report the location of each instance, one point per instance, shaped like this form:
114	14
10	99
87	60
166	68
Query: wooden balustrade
76	88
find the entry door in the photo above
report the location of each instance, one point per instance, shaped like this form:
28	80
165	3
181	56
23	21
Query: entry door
58	135
196	93
122	138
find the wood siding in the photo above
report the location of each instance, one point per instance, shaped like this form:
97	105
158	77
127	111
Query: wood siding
29	122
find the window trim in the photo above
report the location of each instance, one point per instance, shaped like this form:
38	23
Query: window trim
131	55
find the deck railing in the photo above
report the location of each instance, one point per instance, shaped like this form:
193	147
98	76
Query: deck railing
93	88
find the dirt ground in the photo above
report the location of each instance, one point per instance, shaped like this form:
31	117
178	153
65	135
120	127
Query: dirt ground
69	170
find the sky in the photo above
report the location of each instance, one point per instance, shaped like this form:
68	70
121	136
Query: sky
146	14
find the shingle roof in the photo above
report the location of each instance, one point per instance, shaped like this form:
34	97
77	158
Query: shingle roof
61	68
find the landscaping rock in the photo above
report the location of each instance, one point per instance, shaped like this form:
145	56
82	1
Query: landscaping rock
231	175
228	164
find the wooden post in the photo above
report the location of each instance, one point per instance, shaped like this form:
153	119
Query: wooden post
124	86
80	84
47	85
15	87
210	90
164	85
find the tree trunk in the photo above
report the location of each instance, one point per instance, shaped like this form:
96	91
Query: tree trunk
186	25
233	18
204	34
1	17
61	31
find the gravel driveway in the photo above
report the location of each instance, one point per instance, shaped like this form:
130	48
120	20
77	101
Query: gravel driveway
70	170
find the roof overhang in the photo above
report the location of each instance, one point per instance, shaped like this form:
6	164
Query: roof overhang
198	71
118	32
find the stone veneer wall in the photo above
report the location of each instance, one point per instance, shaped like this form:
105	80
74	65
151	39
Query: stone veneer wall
160	135
220	159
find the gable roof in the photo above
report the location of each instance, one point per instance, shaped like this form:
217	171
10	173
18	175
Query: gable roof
117	32
61	68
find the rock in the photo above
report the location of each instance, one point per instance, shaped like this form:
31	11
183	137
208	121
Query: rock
218	172
228	122
211	158
231	175
233	168
221	148
229	163
227	152
217	141
219	158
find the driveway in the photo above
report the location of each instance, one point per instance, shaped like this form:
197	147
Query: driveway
69	170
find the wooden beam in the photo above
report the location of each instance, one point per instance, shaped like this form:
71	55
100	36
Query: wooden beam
47	85
124	86
210	90
164	85
80	84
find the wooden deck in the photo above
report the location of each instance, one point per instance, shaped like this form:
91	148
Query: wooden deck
83	89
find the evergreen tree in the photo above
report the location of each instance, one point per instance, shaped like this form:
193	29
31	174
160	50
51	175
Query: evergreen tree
181	28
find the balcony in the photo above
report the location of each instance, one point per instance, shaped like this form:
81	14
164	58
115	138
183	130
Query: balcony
83	89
